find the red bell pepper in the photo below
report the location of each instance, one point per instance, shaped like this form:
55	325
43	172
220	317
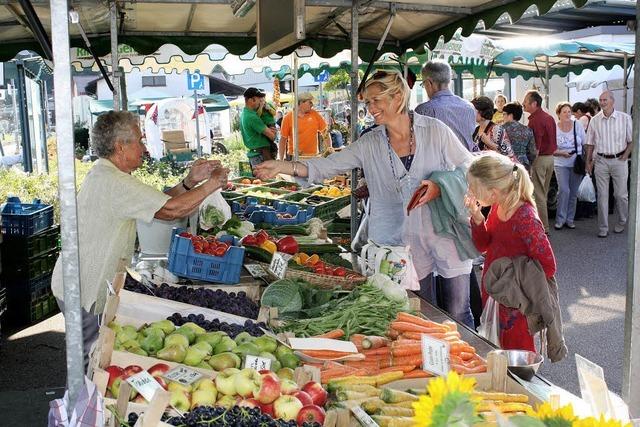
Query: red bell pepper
250	240
261	237
288	245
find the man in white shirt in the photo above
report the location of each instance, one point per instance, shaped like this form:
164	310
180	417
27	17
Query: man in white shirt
608	146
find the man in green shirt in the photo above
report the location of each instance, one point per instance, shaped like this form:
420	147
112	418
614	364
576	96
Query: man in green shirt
256	135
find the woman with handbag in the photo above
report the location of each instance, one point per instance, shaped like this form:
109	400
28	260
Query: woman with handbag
568	165
489	135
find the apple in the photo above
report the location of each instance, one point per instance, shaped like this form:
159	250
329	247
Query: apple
288	386
140	399
287	407
286	373
249	403
158	369
114	372
227	401
267	409
311	414
303	397
225	381
205	384
269	389
181	400
247	382
132	370
317	392
115	388
162	382
203	398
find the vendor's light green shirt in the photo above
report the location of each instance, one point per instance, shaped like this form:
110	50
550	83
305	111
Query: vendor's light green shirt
251	128
109	203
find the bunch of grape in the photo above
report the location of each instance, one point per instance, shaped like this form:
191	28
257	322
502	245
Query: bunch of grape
215	325
207	416
233	303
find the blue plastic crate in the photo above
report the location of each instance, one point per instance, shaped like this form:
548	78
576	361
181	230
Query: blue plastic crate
270	215
185	262
24	219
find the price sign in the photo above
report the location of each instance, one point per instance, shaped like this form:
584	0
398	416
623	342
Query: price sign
257	363
144	384
279	264
183	375
363	417
256	271
435	355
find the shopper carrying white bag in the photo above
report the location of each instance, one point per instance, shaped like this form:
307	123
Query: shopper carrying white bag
586	191
489	327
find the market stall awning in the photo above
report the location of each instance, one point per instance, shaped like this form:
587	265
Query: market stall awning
192	25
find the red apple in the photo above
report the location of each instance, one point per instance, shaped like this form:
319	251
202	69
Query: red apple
132	370
114	372
288	387
249	403
140	399
158	369
115	388
267	409
311	414
317	392
269	389
162	382
287	407
264	371
303	397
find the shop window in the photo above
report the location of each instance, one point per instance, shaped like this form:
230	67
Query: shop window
154	81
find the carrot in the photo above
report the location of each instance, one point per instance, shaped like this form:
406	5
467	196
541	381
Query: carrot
461	369
452	326
410	327
392	333
407	349
416	320
403	368
334	334
377	351
372	341
326	377
461	347
325	354
405	341
417	373
356	339
414	359
466	356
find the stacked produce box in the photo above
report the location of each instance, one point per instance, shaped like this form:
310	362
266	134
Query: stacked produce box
30	246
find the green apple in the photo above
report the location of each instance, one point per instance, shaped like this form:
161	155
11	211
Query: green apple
227	401
247	382
180	400
203	398
225	381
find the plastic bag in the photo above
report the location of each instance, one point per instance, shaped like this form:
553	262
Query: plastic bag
392	261
489	327
88	411
214	211
586	191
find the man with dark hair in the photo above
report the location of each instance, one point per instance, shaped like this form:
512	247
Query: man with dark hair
256	135
544	132
522	141
444	105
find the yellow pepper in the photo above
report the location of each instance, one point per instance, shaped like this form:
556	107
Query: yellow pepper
269	246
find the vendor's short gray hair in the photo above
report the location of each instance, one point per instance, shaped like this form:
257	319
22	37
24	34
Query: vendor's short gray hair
439	72
110	127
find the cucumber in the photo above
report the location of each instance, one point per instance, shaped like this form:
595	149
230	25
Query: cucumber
283	230
324	248
259	254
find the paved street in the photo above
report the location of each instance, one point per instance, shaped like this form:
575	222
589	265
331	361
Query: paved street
591	277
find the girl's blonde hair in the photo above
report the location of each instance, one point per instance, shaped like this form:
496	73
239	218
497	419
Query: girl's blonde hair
391	83
495	171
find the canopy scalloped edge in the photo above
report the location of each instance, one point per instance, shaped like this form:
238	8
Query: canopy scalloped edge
529	54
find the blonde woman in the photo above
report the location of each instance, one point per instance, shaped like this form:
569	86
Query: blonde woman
511	229
499	102
397	157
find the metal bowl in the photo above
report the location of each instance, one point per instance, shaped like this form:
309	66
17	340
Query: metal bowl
522	363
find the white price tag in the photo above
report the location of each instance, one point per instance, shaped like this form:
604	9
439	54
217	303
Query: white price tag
363	417
144	384
256	271
257	363
435	355
183	375
279	264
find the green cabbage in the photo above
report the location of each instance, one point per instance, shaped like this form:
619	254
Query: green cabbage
284	295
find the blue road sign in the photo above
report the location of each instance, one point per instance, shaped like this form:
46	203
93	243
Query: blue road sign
322	77
195	81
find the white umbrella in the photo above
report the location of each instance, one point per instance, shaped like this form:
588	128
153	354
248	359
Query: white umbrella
613	79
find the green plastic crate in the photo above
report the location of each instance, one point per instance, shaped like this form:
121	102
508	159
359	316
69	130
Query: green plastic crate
325	210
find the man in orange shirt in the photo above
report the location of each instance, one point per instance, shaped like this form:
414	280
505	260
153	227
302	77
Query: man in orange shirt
310	123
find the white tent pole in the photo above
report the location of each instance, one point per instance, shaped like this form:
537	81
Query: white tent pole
67	193
115	71
295	107
631	364
197	113
625	94
354	110
546	80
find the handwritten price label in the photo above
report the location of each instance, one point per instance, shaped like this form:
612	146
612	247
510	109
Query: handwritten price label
257	363
183	375
279	264
144	384
256	271
435	355
363	417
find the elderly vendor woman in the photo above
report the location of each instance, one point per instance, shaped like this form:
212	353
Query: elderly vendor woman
110	201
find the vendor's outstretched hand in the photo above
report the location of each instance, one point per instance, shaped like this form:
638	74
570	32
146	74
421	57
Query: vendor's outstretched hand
267	170
202	169
219	177
433	192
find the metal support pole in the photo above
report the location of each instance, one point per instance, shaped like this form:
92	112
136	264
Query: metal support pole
43	123
546	82
21	86
197	114
115	71
458	85
631	364
625	65
67	192
507	86
16	115
294	135
354	112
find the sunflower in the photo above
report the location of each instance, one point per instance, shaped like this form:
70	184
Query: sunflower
561	417
601	422
448	402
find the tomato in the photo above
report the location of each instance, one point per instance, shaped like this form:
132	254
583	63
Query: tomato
220	251
224	245
185	234
340	271
319	269
328	271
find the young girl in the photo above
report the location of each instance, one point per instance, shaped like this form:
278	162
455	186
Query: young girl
512	229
